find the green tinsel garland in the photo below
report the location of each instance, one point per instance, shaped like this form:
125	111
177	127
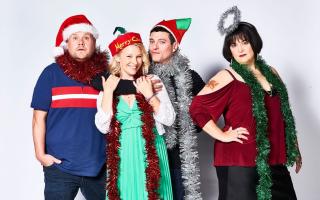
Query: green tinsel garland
260	114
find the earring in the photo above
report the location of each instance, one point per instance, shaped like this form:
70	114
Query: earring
259	57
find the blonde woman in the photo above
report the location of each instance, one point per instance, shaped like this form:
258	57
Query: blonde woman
137	162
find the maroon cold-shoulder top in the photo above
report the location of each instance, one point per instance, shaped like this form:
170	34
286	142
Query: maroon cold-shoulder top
234	102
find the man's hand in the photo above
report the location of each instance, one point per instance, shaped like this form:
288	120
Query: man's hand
48	160
156	84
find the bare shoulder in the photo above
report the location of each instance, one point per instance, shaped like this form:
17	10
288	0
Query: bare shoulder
218	81
223	77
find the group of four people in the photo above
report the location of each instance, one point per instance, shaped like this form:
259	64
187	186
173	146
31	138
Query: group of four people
147	112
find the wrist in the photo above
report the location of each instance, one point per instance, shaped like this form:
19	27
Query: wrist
39	156
221	135
108	92
150	97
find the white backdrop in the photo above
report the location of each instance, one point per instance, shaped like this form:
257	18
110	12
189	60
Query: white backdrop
290	31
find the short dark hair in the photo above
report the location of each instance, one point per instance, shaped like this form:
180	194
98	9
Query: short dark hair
161	29
244	31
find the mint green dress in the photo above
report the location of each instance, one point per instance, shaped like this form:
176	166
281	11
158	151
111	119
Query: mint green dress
132	177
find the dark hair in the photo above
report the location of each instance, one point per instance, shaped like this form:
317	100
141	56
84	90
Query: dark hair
244	31
161	29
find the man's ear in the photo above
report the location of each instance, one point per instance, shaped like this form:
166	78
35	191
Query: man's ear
175	47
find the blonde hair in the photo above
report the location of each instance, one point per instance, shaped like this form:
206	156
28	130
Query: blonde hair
114	67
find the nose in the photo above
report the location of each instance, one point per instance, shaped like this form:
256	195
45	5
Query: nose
240	48
134	61
154	45
81	41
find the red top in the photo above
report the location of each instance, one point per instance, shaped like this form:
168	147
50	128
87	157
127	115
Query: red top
234	102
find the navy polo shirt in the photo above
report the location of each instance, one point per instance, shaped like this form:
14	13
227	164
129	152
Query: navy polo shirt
71	134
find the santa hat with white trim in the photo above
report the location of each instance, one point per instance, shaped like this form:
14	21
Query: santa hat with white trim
177	27
72	25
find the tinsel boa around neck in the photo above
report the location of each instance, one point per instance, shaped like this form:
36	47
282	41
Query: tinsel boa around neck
176	77
113	146
260	114
84	71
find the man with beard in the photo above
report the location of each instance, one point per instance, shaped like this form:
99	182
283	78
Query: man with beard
66	140
182	84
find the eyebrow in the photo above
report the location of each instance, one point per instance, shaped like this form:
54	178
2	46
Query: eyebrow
164	40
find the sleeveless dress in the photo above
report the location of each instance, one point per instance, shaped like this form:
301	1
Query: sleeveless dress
132	152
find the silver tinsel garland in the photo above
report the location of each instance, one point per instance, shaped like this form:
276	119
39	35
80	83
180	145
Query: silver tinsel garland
178	68
236	20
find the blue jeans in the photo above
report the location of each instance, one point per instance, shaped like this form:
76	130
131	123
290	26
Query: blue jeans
63	186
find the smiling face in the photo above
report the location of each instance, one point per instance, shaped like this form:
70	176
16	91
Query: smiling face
160	47
130	60
81	45
242	51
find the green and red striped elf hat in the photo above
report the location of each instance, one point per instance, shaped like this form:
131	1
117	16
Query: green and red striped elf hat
177	27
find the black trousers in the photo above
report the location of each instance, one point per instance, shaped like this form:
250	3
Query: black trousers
239	183
175	173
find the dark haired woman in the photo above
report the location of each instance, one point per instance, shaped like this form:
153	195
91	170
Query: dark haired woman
259	137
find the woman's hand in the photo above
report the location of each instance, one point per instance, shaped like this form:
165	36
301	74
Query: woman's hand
231	135
110	84
235	135
144	86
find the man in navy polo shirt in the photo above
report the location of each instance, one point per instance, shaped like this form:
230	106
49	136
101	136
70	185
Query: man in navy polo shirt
66	140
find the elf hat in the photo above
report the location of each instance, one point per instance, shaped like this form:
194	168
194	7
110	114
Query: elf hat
72	25
123	40
177	27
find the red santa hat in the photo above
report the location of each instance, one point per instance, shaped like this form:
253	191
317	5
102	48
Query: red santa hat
72	25
177	27
123	40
